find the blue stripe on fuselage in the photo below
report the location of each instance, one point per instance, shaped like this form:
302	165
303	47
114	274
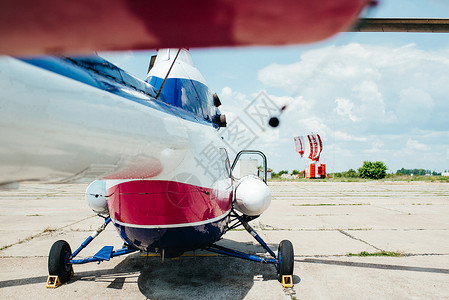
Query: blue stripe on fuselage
99	73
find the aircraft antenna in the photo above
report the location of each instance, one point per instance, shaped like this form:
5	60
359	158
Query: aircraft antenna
168	73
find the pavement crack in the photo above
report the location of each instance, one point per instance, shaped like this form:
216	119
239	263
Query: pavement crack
300	257
426	254
27	239
45	231
375	265
76	222
357	239
389	209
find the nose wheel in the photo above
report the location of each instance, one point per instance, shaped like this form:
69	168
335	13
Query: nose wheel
58	261
285	259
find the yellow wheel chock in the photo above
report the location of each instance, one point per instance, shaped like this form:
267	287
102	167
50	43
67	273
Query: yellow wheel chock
287	281
53	282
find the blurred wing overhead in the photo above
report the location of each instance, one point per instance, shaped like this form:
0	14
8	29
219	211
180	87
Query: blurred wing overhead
70	27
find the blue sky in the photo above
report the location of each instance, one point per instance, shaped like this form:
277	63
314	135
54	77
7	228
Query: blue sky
371	96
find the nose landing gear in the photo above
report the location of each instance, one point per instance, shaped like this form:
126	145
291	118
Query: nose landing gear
61	259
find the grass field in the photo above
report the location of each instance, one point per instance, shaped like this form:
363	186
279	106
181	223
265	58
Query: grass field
389	177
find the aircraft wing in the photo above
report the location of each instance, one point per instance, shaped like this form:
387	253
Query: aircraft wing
402	25
70	27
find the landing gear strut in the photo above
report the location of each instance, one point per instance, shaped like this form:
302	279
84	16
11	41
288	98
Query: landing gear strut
61	259
283	262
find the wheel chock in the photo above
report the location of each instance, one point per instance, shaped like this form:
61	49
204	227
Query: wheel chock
53	282
287	281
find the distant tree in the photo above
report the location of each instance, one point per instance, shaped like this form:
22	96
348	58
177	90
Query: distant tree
351	173
295	172
416	172
373	170
282	172
402	172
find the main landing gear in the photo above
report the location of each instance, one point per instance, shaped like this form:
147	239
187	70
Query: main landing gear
61	259
283	262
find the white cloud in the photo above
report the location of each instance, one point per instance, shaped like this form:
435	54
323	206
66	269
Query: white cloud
377	146
345	108
313	124
233	98
344	136
270	137
367	102
371	105
380	85
232	102
413	145
415	105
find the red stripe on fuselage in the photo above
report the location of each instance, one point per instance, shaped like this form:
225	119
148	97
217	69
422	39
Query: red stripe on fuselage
159	202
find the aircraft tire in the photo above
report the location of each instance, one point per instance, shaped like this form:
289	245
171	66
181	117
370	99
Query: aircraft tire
286	259
58	260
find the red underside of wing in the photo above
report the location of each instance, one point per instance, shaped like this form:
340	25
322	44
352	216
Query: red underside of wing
54	26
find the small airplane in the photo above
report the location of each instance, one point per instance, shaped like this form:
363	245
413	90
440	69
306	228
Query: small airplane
164	178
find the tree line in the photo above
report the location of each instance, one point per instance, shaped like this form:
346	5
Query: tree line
369	170
416	172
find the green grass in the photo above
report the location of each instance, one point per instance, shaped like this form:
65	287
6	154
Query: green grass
5	247
49	229
380	253
417	178
330	204
390	177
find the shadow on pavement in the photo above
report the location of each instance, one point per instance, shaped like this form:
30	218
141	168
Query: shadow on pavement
202	277
372	265
205	277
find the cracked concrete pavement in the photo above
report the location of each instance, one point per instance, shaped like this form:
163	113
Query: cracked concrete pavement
324	220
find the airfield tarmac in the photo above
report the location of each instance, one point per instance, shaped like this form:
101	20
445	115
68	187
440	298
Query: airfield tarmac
324	220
